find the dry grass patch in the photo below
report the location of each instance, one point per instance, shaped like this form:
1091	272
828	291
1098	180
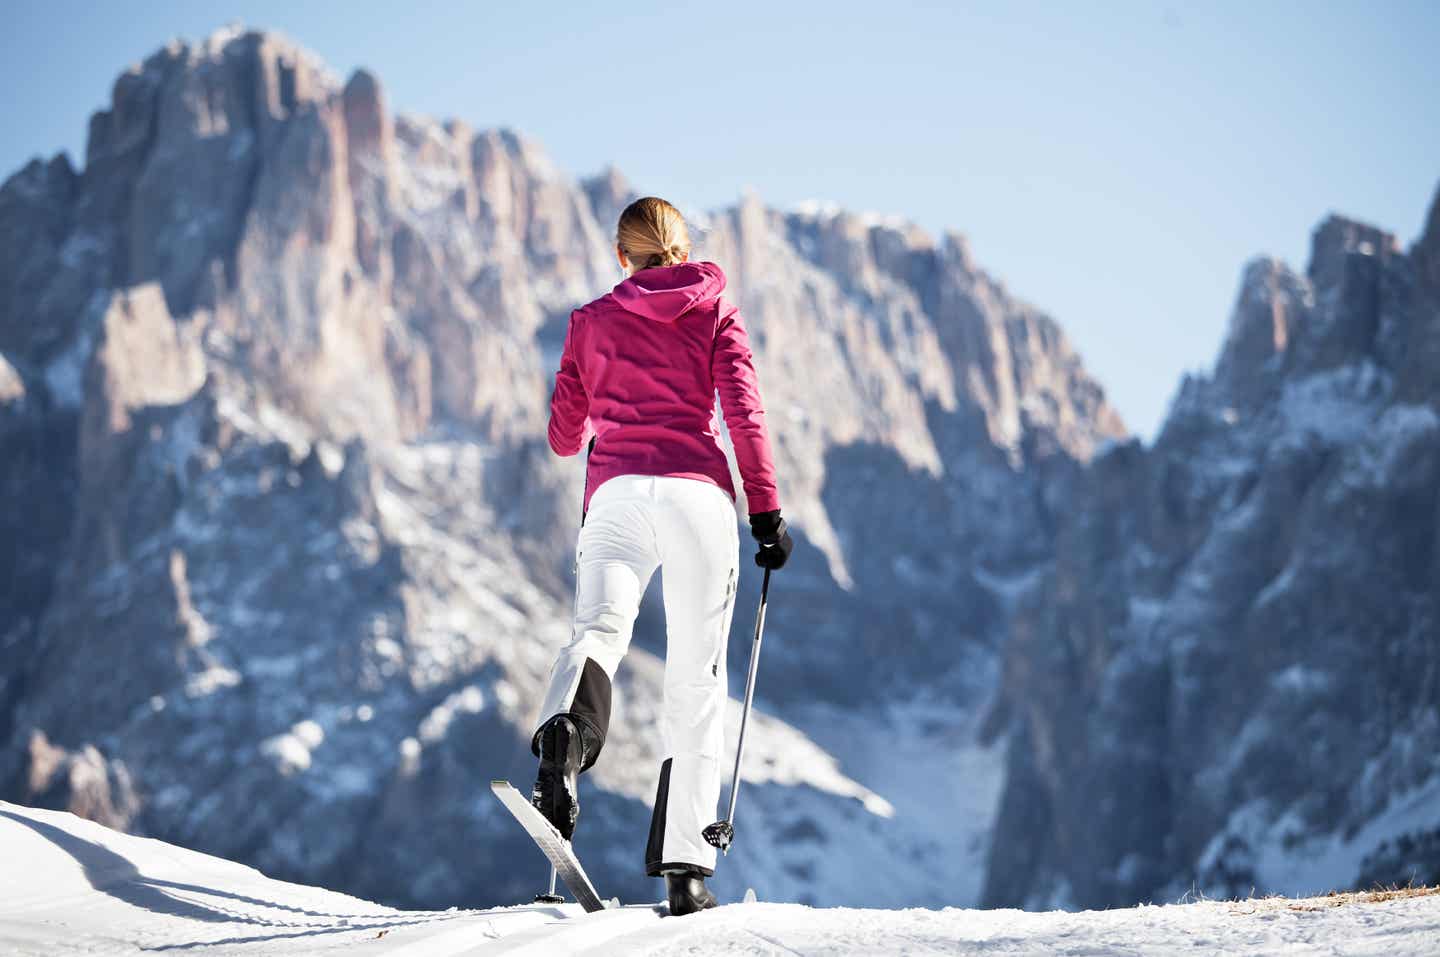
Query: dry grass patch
1333	899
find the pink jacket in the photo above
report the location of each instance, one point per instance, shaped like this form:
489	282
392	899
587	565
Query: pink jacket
640	371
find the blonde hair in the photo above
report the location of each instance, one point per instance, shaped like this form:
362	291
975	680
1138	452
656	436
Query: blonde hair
652	233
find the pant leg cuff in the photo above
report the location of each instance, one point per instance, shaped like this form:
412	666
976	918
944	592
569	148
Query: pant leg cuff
590	736
659	869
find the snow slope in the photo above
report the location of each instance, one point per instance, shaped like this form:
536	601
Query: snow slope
70	886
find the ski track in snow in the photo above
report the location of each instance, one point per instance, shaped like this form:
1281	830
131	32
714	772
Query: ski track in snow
69	886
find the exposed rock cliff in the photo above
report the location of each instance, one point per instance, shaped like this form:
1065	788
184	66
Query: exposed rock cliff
1231	677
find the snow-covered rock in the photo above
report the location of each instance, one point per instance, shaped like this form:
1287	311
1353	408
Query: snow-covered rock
1228	680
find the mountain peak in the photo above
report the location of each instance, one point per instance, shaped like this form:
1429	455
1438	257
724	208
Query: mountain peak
1272	303
1340	236
609	193
1427	249
208	86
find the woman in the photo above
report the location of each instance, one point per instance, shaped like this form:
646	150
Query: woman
639	372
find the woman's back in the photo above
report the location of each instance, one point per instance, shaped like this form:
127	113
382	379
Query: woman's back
640	370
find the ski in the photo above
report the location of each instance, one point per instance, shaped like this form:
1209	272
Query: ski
555	847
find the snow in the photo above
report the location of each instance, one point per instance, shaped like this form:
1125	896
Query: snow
1277	587
912	752
69	886
1301	680
290	752
80	248
1336	406
1323	863
287	752
65	374
1376	461
212	679
1009	589
827	209
468	700
268	424
1289	858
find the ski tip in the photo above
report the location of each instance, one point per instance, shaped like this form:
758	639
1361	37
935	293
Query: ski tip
498	784
750	895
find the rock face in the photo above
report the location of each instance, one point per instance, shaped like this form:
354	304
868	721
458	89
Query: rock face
1230	678
291	557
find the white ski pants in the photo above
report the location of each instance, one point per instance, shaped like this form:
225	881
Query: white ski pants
635	524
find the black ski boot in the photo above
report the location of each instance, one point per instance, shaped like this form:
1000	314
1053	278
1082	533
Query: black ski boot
687	892
556	794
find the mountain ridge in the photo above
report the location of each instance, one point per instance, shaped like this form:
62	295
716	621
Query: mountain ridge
291	537
1249	604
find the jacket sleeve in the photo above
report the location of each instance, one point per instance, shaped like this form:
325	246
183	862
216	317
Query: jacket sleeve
569	405
735	380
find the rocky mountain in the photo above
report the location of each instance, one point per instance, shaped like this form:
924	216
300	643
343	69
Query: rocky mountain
1229	678
289	557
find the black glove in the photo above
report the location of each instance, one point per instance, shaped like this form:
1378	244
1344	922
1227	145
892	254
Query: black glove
775	544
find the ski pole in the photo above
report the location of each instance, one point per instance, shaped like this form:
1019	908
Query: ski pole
551	897
722	833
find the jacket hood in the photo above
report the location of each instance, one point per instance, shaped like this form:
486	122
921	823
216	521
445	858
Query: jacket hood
665	293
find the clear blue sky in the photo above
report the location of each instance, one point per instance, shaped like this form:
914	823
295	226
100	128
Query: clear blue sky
1115	166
